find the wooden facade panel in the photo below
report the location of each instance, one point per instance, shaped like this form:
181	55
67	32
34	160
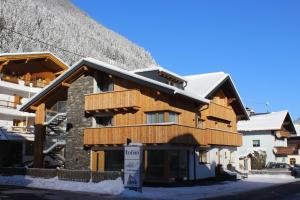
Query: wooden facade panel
220	112
160	134
153	100
112	100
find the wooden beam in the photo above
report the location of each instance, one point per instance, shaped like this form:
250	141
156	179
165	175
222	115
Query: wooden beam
3	64
33	108
39	139
64	84
59	73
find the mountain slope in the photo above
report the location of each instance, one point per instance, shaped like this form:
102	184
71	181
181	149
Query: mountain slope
60	23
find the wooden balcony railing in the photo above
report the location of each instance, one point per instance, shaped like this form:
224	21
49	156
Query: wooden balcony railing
220	112
113	100
282	134
160	134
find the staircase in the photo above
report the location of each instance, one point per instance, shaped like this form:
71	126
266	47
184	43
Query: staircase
56	133
54	124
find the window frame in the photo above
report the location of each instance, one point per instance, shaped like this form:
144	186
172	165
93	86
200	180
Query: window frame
255	145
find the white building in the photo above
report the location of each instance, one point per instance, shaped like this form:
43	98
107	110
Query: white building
268	133
22	75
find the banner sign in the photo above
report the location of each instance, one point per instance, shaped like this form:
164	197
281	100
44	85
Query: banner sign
133	162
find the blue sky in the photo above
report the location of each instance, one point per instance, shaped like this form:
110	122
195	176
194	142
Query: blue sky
256	41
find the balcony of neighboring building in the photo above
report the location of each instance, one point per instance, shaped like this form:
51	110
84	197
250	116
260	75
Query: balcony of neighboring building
164	133
283	134
11	85
9	110
113	101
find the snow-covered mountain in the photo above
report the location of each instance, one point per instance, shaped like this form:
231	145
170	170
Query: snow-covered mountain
60	23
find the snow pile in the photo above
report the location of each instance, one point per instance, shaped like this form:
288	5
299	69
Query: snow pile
113	187
253	151
254	182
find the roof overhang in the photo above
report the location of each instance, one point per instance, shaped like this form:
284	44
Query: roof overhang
5	58
245	115
115	71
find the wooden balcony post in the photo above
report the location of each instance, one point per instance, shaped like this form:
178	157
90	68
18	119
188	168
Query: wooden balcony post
39	138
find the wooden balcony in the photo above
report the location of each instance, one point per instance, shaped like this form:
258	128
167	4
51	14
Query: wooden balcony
220	112
113	101
282	134
160	134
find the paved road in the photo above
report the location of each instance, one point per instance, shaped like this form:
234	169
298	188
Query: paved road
22	193
290	191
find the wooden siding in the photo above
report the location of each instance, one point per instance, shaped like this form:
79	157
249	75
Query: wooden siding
112	100
160	134
221	112
153	100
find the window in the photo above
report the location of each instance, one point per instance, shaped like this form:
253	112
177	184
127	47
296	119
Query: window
292	161
104	121
155	117
104	83
203	157
256	143
199	121
173	117
159	117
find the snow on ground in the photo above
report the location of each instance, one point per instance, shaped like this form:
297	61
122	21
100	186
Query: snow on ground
115	187
206	191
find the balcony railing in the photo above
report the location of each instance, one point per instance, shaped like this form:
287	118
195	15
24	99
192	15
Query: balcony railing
160	134
8	104
37	82
282	134
220	112
22	129
114	100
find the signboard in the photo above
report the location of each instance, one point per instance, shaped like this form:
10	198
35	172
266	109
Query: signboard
133	158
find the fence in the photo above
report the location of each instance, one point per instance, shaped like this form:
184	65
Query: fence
62	174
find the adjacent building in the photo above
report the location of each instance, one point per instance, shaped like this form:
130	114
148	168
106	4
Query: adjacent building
188	125
266	134
22	75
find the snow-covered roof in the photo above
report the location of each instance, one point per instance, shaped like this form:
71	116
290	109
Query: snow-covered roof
108	68
204	84
160	69
33	53
259	122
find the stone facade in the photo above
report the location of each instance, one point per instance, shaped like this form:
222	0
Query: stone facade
76	156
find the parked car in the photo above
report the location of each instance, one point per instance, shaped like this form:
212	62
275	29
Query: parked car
296	170
278	167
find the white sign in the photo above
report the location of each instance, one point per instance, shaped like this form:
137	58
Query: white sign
133	155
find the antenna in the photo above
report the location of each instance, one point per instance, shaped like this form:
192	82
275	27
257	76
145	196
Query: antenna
267	106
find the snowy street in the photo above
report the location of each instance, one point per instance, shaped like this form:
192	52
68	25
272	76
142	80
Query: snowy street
114	189
286	191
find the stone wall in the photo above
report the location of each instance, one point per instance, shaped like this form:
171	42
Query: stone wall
75	155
